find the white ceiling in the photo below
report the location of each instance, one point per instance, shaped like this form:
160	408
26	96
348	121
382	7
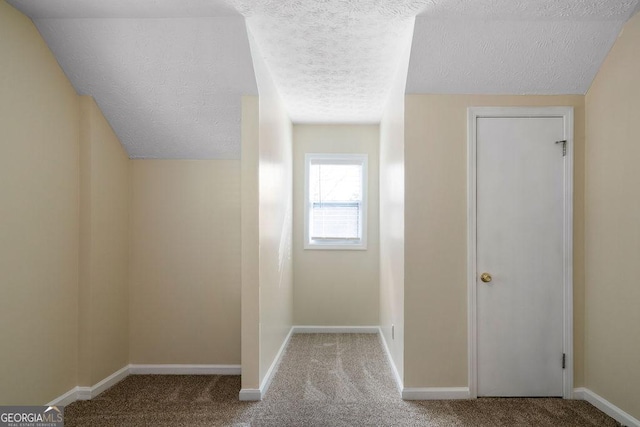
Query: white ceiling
168	74
332	60
513	47
109	9
170	87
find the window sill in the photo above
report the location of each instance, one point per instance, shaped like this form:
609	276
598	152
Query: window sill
335	247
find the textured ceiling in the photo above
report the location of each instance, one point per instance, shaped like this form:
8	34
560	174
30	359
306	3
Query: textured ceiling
513	47
332	60
169	74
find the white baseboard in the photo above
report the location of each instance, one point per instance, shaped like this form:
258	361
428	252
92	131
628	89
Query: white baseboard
394	370
84	393
335	329
250	395
266	382
579	393
103	385
66	399
436	393
184	369
88	393
605	406
253	394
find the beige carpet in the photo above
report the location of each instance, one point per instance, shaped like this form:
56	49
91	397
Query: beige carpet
323	380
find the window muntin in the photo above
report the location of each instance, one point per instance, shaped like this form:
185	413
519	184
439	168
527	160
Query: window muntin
335	201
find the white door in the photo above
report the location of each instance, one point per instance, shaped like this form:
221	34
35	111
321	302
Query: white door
520	219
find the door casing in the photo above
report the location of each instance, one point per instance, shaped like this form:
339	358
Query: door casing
473	113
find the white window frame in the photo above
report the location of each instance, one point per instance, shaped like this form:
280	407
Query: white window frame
335	158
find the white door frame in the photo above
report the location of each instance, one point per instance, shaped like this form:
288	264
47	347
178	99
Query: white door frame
479	112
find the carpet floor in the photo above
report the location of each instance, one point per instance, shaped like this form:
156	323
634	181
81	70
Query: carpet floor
323	380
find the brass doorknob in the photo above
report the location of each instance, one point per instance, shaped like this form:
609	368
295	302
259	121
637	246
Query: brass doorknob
485	277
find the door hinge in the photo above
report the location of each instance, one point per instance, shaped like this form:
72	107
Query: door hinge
564	146
564	360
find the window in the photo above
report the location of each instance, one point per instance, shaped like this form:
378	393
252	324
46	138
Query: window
335	201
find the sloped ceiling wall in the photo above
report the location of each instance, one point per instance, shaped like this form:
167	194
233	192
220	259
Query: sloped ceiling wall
513	47
169	87
169	74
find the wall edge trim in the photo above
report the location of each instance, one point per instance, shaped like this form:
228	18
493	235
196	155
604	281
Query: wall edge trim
310	329
255	394
250	395
178	369
87	393
266	381
107	383
84	393
394	370
583	393
436	393
66	398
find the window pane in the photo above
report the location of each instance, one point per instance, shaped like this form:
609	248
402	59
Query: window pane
335	220
331	182
336	195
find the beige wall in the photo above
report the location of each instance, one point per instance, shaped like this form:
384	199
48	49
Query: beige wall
276	290
185	262
250	229
39	122
267	292
275	217
392	219
105	182
436	236
333	287
613	226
